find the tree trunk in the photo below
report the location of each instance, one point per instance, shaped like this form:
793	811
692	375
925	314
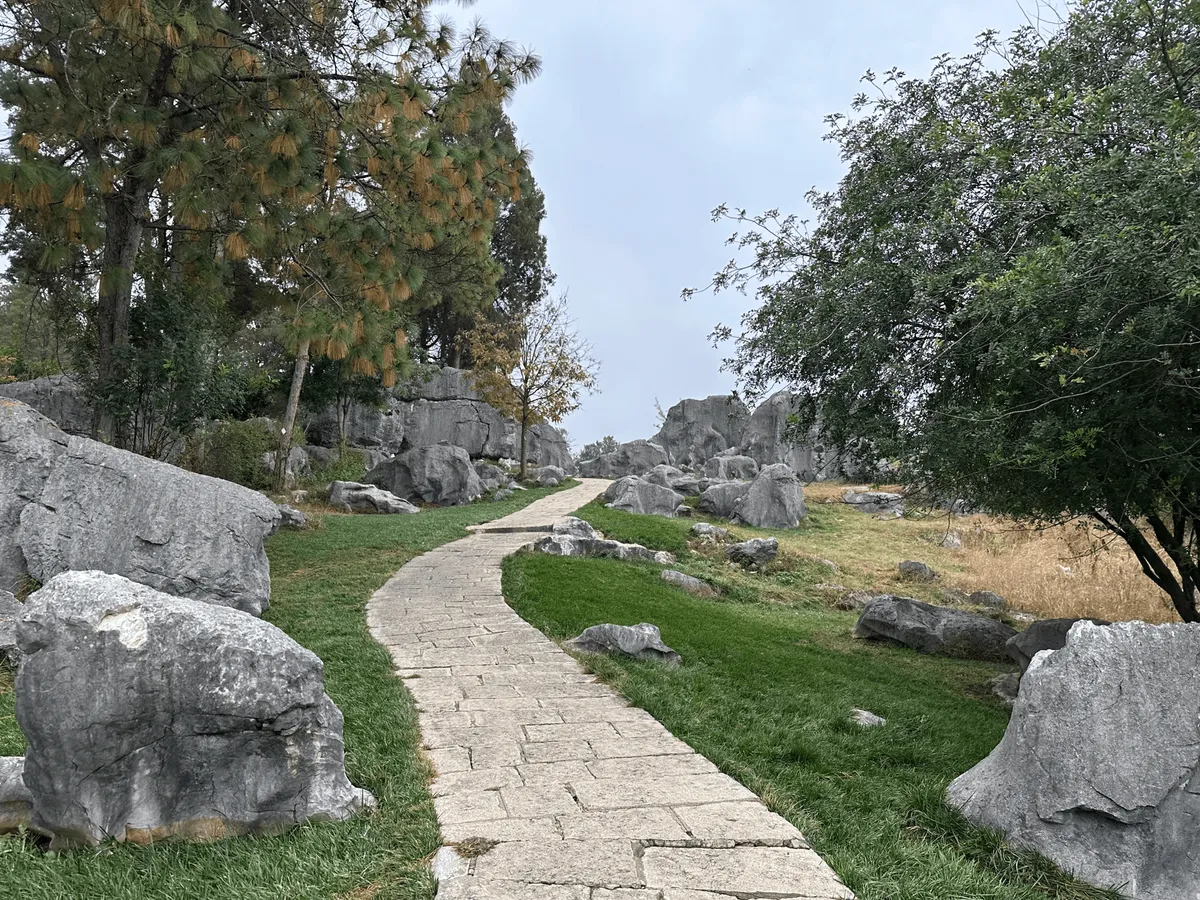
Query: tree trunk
524	430
289	415
122	238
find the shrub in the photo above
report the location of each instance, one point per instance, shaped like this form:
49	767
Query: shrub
234	451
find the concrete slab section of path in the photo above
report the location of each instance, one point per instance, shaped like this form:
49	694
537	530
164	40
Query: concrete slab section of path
549	783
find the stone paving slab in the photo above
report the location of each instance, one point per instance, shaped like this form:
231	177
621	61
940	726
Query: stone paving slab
581	796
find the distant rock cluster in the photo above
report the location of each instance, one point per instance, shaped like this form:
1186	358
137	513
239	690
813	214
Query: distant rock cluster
720	437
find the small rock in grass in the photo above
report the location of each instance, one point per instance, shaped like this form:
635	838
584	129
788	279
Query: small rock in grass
663	558
986	598
290	517
633	641
693	586
855	600
502	494
866	718
575	527
683	511
1006	686
754	552
706	530
951	540
16	801
916	571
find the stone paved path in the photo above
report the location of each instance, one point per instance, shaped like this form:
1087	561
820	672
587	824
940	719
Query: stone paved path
585	797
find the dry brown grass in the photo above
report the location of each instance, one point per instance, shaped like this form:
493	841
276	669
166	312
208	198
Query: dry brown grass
1066	570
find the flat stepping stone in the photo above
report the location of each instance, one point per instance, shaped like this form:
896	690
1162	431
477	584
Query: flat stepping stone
569	792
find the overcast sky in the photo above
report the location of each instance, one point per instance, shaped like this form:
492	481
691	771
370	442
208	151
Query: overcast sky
649	113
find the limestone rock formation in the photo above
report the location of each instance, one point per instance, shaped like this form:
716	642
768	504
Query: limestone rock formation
1045	634
549	476
1099	765
59	398
490	475
696	430
561	544
769	438
10	611
637	495
874	501
152	717
914	570
181	533
350	496
575	527
731	468
724	499
441	474
710	532
29	446
670	477
633	641
775	499
632	458
441	407
932	629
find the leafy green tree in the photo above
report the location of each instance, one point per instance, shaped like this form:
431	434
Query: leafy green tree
606	444
1000	295
534	369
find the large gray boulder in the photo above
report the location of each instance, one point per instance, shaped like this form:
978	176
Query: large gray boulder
696	430
441	474
874	501
1045	634
181	533
670	477
769	437
724	499
631	641
60	398
632	458
549	476
775	499
490	475
636	495
1098	768
29	446
350	496
932	629
152	717
574	526
731	468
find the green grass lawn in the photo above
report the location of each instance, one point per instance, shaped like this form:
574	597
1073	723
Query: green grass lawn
321	580
765	691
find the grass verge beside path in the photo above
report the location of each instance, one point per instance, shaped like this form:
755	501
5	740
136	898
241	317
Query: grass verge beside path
765	692
321	580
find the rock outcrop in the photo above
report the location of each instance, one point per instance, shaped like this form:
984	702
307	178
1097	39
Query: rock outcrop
631	641
29	446
151	717
1045	634
443	407
632	458
59	398
181	533
696	430
564	544
874	501
769	438
1099	765
637	495
724	499
932	629
775	499
734	467
670	477
441	474
350	496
